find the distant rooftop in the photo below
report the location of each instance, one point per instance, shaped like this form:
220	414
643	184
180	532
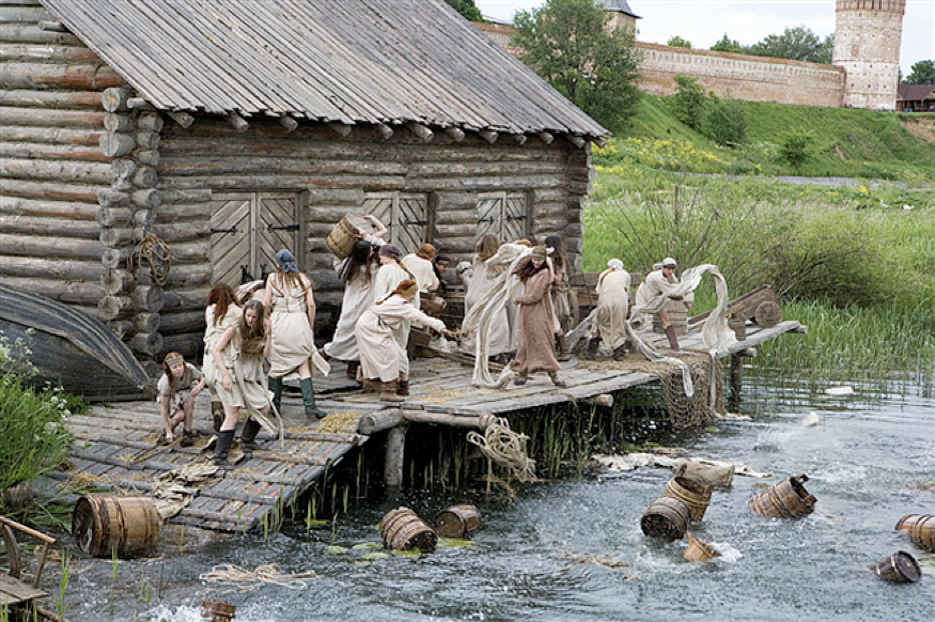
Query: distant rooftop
618	6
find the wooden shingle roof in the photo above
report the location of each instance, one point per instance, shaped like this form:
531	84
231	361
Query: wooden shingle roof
348	61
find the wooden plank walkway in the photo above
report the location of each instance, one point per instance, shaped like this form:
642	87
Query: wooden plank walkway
109	437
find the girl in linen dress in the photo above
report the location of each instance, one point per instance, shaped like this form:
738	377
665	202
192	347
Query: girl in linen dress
291	303
221	312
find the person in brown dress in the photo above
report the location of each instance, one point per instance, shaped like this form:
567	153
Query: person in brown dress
535	326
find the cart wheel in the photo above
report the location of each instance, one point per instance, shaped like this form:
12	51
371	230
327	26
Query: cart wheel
767	314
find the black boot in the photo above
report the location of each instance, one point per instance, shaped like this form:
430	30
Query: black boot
593	344
248	436
562	350
352	367
223	446
673	340
620	352
275	385
308	396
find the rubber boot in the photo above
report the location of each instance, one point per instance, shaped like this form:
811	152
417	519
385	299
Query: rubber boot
593	344
217	414
308	397
402	388
388	393
248	436
673	340
275	385
553	375
562	354
223	446
620	352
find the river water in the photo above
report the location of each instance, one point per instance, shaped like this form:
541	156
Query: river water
530	559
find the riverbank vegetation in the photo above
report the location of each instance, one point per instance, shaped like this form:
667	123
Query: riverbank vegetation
33	438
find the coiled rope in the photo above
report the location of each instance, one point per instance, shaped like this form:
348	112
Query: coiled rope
157	253
502	445
243	579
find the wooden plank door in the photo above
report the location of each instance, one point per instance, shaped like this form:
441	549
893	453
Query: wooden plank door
248	229
231	237
406	217
504	215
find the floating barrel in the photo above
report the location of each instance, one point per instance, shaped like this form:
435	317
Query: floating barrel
341	239
787	499
217	611
102	523
667	517
457	521
920	527
900	567
698	550
696	496
402	529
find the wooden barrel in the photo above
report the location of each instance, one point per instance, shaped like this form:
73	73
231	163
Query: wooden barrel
217	611
402	529
678	316
666	518
900	567
457	521
787	499
920	527
102	523
341	239
696	496
698	550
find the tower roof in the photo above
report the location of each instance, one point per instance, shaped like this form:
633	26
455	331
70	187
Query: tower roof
618	6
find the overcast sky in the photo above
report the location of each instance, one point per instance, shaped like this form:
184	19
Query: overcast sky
704	22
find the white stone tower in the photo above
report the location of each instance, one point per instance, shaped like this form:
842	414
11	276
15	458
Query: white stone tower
867	36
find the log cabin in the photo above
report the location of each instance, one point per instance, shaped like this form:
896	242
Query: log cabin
150	148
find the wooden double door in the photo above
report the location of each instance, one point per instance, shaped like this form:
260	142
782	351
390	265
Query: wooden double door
248	229
503	214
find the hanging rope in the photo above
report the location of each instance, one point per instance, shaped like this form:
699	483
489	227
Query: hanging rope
243	579
502	445
157	253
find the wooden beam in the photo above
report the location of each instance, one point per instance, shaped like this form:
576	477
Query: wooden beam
598	142
458	421
52	26
138	103
577	141
489	135
801	329
395	454
341	129
115	99
384	130
237	122
546	137
519	139
182	118
604	399
380	420
424	133
289	123
455	133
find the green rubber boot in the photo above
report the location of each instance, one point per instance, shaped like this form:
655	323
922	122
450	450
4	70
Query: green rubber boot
275	385
308	396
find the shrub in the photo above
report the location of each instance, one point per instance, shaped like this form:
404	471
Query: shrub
725	123
797	147
689	101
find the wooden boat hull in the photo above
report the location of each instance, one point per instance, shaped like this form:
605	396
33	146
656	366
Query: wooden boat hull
72	348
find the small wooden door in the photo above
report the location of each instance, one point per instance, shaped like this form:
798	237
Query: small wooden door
505	215
406	217
248	229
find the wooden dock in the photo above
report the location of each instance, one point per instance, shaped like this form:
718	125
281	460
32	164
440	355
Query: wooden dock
110	438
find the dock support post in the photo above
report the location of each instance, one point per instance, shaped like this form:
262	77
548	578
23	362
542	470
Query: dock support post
395	452
736	378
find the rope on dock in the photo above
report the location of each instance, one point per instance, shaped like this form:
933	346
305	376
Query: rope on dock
243	579
502	445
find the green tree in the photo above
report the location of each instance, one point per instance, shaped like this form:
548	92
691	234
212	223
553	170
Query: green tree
725	122
798	43
689	101
727	45
467	8
567	44
797	146
923	72
679	42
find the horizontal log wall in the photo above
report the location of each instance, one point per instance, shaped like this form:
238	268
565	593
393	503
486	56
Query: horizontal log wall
51	167
334	175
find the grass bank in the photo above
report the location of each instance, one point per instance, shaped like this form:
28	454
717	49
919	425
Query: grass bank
855	265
